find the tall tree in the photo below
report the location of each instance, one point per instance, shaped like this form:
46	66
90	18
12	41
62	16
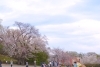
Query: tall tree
1	32
21	42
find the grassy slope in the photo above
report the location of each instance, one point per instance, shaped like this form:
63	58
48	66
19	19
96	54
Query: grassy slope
4	58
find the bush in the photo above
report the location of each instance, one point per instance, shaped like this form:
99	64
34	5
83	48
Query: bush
40	58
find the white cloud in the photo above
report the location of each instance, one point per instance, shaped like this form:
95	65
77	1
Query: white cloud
83	35
87	26
85	48
38	7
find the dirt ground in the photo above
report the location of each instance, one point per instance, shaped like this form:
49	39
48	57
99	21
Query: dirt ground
8	65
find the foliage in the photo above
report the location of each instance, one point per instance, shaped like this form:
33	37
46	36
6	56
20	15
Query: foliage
40	57
4	58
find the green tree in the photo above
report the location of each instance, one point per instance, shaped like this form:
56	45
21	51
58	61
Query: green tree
39	57
1	49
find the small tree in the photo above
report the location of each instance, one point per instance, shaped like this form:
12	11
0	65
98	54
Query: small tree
40	57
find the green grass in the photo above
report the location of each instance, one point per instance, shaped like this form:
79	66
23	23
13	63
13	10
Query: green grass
4	58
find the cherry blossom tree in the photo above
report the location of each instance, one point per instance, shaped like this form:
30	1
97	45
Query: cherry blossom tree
22	42
89	58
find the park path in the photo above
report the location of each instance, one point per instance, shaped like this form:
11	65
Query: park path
8	65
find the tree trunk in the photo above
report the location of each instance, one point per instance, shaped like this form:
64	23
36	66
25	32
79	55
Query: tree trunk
21	62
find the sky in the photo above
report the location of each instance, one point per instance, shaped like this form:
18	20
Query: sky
72	25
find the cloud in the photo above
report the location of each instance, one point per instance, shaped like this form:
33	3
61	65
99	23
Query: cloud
83	26
35	7
40	6
83	35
